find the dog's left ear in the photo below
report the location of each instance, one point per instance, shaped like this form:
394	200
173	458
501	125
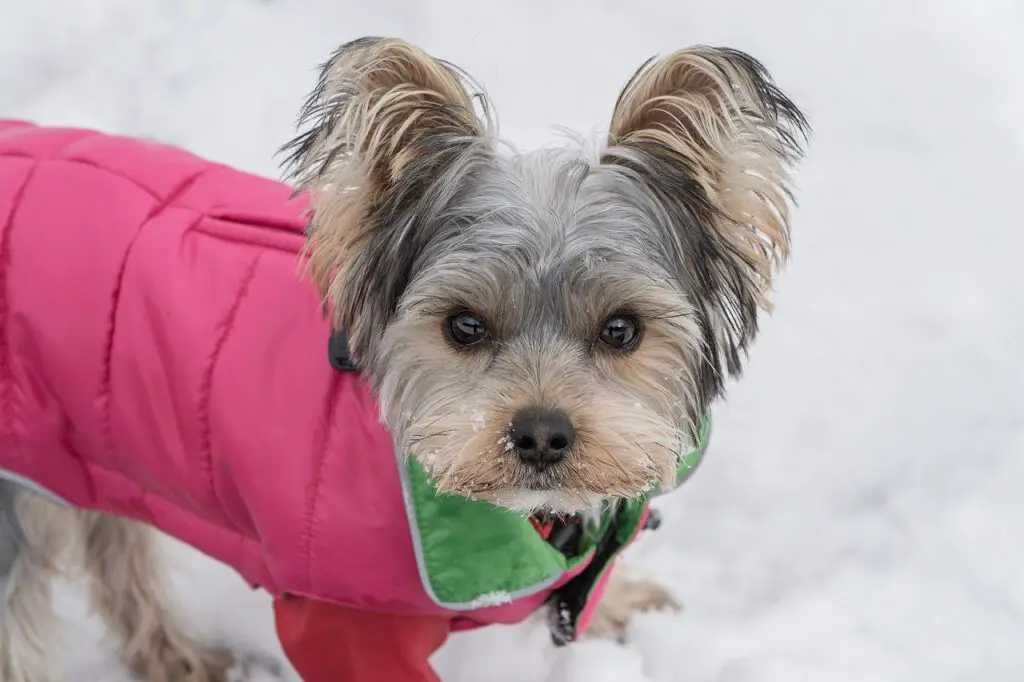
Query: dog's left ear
711	136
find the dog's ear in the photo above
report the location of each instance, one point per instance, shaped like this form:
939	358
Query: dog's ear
707	131
381	128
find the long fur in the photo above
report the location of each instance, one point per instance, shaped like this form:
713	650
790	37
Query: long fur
679	222
127	589
708	132
383	119
34	538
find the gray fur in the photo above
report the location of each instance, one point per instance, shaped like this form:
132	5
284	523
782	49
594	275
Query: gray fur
421	214
527	243
12	539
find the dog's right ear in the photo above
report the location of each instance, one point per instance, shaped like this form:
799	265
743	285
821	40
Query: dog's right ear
383	124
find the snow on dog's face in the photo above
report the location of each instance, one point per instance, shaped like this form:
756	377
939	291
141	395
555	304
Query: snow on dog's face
545	330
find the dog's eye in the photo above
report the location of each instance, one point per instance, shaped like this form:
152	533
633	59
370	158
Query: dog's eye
465	329
620	332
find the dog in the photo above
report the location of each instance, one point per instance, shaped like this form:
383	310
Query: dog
543	331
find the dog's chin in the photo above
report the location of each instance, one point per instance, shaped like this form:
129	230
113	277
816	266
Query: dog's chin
529	496
556	501
554	490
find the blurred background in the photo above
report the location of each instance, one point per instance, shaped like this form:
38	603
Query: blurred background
860	515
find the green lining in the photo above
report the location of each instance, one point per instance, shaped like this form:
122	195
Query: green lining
473	554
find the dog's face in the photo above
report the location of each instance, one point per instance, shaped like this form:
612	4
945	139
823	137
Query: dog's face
546	330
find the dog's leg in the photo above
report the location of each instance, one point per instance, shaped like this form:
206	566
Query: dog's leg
127	584
624	596
33	533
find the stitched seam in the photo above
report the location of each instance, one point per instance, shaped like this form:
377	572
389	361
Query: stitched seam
8	395
251	546
204	229
105	397
109	171
324	432
7	392
175	196
224	328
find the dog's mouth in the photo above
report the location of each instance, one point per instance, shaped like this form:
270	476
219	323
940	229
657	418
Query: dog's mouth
541	483
534	481
575	481
543	479
550	479
554	489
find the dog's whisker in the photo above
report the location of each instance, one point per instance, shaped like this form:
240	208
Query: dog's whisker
618	287
541	330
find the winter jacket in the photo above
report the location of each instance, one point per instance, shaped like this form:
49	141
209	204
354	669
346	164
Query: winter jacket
163	358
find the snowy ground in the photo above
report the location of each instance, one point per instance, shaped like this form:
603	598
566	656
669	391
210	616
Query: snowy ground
861	514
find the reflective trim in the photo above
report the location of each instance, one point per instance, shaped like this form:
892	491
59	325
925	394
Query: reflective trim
690	460
33	487
417	543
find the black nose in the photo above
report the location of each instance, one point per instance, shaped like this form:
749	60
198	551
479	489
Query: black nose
542	437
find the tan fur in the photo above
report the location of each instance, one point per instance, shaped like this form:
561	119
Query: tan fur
704	118
699	135
624	597
695	105
28	629
398	95
126	589
622	446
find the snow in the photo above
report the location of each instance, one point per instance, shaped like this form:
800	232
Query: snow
860	514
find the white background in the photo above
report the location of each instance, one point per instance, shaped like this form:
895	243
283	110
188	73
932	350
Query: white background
861	512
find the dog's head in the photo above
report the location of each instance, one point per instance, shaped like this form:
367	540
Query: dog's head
546	330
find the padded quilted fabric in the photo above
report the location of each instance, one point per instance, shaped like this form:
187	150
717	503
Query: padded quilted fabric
162	358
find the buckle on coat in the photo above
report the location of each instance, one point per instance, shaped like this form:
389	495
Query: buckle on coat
338	352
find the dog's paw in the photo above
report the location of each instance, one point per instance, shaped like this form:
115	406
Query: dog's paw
225	665
623	597
213	665
217	664
206	664
256	667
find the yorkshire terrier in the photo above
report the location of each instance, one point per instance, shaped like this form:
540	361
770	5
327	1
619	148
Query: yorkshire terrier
578	310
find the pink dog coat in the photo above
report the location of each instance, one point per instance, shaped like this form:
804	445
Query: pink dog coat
163	359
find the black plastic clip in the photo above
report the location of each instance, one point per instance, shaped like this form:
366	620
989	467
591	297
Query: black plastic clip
338	352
